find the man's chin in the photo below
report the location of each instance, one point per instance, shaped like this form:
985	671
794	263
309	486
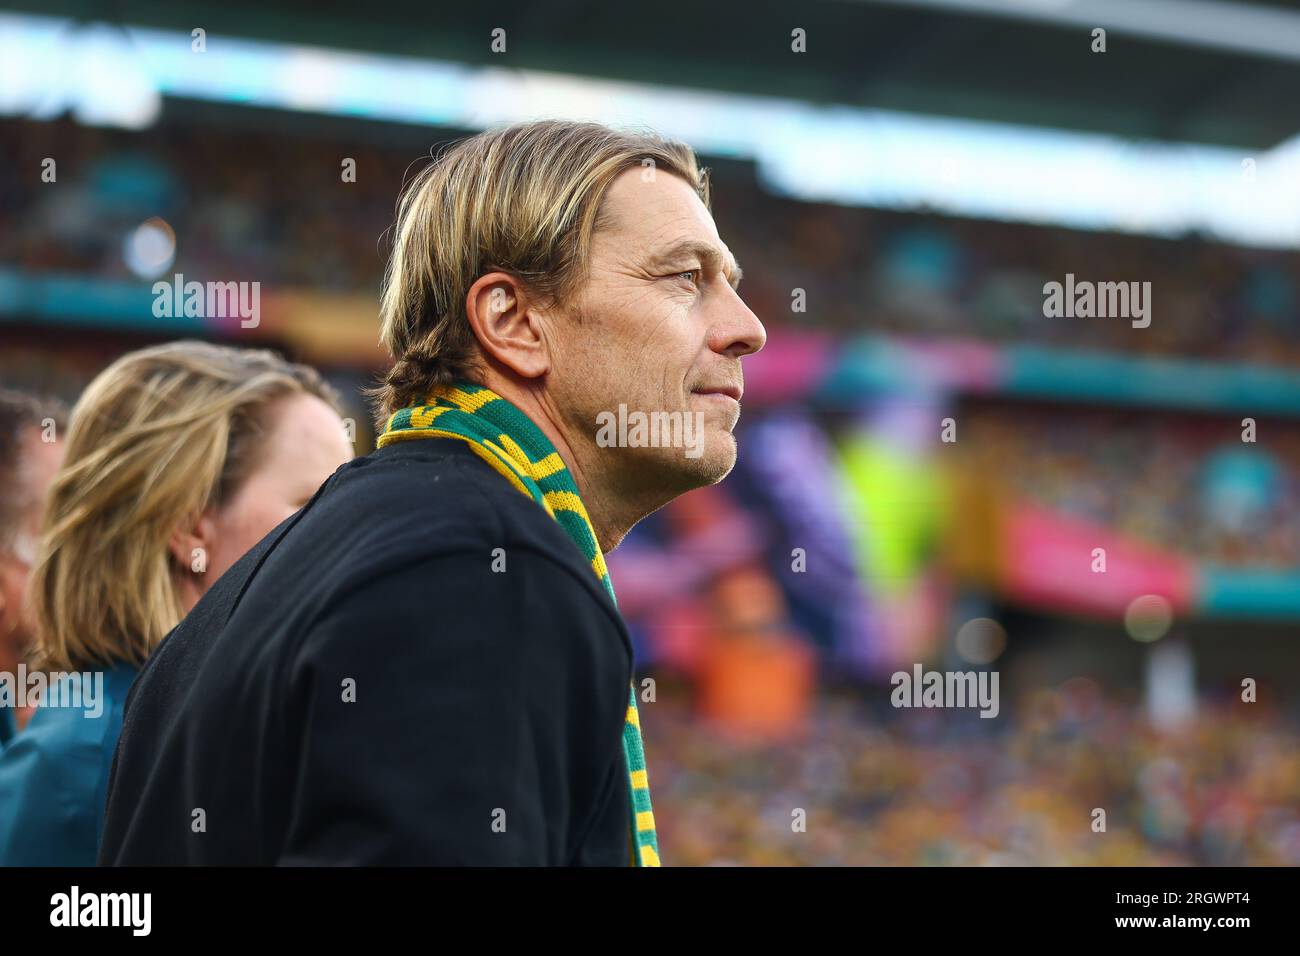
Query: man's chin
676	471
714	460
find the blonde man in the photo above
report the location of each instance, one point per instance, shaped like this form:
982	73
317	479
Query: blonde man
179	459
430	662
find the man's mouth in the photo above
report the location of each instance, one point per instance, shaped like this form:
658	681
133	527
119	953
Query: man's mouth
727	391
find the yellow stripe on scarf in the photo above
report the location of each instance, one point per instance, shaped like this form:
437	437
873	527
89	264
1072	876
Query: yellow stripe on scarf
568	501
536	470
424	417
468	402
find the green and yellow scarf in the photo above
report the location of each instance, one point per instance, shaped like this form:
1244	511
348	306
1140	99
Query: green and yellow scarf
507	440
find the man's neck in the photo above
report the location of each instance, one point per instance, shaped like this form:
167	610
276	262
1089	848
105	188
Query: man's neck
612	514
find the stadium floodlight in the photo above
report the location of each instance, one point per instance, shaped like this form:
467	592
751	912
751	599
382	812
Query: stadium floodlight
102	85
847	155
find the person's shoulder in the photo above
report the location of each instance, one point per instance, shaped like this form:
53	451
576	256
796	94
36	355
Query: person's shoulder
53	773
63	744
452	536
418	500
80	709
404	537
471	618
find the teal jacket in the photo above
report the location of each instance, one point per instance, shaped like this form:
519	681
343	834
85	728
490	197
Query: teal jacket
54	779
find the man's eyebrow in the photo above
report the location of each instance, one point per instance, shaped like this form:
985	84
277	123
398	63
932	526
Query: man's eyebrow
709	255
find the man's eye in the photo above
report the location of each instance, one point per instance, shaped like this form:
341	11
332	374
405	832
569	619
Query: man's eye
692	276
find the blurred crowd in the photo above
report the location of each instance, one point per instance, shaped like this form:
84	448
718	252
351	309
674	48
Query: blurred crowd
288	218
294	218
1187	484
711	586
938	788
929	276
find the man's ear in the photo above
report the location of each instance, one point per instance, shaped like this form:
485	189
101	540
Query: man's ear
508	324
191	543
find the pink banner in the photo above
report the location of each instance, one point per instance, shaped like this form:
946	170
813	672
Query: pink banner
787	368
1049	560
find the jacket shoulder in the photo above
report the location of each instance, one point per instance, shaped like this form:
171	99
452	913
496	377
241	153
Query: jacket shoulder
417	500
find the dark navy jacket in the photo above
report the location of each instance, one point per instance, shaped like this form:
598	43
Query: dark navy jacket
417	668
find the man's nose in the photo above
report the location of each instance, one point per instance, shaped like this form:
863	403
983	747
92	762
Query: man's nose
736	330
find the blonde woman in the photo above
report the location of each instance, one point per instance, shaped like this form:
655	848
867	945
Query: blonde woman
179	459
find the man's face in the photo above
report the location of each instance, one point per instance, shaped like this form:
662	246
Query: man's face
659	328
37	465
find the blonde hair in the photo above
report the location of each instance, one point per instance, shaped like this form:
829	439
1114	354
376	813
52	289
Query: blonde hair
159	436
524	200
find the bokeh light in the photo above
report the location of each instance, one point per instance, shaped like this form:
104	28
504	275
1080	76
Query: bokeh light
1148	618
981	640
150	248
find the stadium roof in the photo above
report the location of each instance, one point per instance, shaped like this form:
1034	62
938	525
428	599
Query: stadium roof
1203	71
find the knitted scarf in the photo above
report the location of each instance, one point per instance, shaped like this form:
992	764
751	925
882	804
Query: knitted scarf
515	448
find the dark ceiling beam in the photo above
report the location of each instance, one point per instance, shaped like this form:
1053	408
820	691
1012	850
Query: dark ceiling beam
863	54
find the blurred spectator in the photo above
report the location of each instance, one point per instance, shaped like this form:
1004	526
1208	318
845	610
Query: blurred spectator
31	450
756	676
179	459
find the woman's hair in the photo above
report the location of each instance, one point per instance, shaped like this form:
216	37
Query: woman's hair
525	200
158	437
